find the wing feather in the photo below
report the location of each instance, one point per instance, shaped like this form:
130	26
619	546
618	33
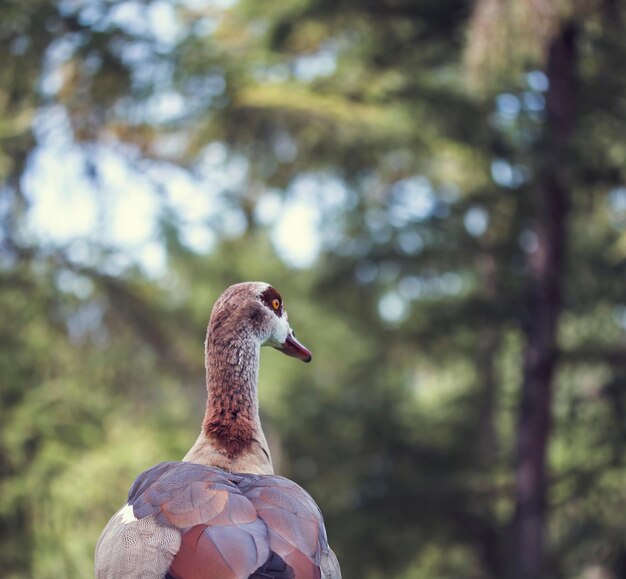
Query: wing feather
228	552
294	521
233	524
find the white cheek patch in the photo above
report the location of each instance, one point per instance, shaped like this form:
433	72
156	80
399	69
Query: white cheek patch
126	514
281	330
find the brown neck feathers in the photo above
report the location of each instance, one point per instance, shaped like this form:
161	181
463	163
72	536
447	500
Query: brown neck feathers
232	361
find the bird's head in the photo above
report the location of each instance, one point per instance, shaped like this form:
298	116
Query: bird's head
257	309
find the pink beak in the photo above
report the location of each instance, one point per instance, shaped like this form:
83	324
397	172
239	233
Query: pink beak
295	349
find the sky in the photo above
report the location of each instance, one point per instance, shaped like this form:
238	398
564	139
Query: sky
122	207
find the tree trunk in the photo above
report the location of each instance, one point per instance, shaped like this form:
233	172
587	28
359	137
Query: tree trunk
546	270
488	347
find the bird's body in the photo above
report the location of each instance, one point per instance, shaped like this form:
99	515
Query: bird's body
222	513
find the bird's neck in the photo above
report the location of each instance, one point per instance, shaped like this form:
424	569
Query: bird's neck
232	411
232	437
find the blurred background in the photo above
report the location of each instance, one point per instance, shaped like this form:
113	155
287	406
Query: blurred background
438	190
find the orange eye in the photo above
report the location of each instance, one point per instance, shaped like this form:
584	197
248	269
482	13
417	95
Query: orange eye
276	303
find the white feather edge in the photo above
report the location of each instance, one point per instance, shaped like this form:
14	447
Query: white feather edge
126	514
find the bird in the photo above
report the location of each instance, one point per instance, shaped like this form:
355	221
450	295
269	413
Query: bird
222	513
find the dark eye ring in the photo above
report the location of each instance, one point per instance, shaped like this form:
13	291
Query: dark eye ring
276	303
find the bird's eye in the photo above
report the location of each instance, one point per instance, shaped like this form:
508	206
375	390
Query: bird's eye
276	303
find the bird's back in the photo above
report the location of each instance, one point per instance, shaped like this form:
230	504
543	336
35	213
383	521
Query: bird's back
189	521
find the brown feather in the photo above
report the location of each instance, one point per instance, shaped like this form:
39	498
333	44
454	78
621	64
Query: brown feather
231	522
230	419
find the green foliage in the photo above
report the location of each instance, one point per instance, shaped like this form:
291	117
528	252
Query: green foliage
403	426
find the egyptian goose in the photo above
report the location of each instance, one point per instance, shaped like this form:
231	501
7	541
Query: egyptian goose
222	513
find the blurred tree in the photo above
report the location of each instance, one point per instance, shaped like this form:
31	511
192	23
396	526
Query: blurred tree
425	310
552	36
398	66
